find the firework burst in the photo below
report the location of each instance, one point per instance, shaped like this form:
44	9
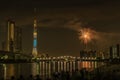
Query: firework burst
86	35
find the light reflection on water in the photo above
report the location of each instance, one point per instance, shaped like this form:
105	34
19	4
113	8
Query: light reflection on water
45	68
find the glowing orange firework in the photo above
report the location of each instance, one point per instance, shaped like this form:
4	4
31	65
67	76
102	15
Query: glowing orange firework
85	35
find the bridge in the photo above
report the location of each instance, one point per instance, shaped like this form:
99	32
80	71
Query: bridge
11	57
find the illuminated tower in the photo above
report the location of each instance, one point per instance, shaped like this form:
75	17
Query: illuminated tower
35	67
34	52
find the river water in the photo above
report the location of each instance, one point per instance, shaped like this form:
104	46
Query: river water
44	68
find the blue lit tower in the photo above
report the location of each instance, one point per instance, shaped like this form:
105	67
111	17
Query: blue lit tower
34	52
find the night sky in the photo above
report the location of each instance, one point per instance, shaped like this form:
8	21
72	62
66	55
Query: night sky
59	22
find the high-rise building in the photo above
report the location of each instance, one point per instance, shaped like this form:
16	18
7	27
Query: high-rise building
111	52
114	51
88	54
118	50
14	37
18	39
10	35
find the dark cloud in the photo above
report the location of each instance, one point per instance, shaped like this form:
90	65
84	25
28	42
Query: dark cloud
50	3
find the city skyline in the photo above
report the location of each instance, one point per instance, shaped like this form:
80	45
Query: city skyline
59	24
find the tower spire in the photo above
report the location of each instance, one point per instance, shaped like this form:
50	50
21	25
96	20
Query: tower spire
34	52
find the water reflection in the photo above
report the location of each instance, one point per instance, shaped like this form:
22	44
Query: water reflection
45	68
